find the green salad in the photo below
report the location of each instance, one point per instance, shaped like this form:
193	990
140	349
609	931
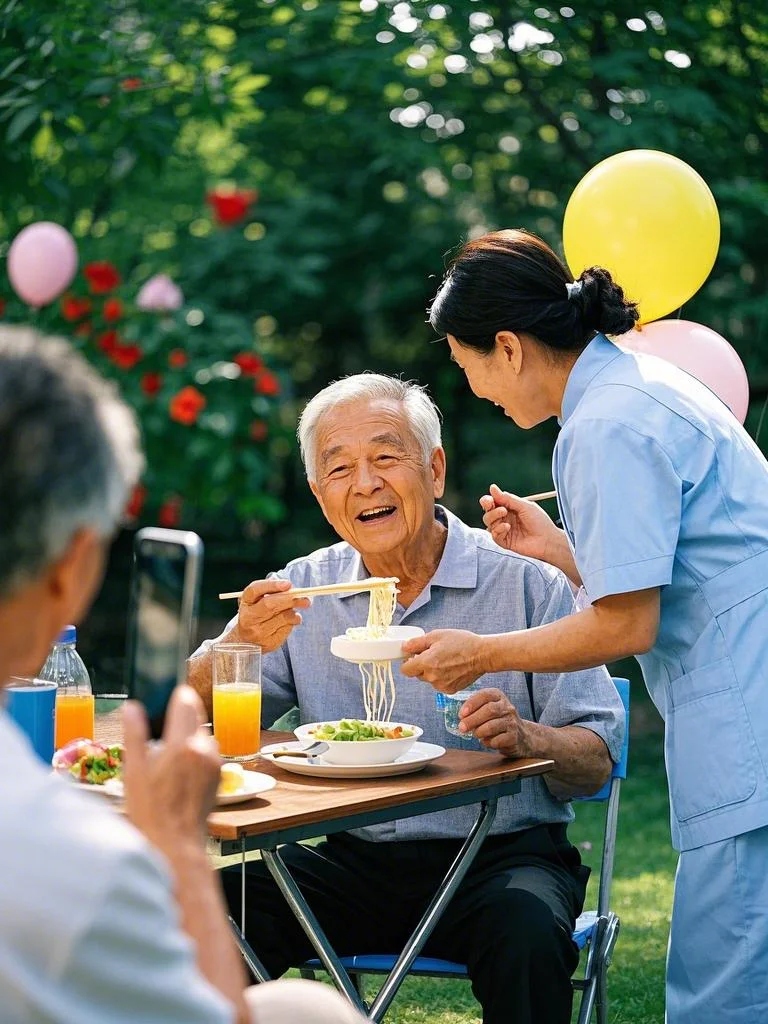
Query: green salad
352	729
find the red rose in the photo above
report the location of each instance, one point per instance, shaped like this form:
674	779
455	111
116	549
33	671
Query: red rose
101	276
258	430
177	358
186	406
129	84
267	384
248	363
151	383
169	512
108	342
136	501
126	356
230	207
112	310
73	308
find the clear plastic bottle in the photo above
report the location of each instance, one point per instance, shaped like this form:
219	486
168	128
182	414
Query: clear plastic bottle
74	696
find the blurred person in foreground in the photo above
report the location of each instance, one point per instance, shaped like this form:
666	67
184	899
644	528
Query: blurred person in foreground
374	459
101	918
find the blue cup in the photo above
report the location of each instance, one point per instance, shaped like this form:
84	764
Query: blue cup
31	703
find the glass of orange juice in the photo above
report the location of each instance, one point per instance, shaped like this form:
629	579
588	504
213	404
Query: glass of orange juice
74	717
237	700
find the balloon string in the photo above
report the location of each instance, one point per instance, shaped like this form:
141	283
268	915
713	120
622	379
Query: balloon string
760	421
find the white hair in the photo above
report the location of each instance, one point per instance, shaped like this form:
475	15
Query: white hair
421	412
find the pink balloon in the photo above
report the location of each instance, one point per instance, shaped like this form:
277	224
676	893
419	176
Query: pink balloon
42	261
699	351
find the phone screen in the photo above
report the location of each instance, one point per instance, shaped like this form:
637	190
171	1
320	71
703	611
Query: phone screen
164	590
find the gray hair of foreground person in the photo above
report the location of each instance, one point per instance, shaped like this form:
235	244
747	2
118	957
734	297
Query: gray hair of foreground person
69	453
422	413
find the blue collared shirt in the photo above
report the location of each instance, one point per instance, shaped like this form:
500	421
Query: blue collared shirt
660	486
477	586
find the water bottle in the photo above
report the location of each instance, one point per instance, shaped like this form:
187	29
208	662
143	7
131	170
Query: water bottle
74	696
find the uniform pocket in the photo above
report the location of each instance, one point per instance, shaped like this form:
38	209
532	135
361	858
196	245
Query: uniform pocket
709	747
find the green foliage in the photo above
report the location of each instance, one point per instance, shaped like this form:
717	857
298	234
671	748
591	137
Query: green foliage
378	135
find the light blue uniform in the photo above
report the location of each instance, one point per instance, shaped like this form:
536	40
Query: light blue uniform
659	486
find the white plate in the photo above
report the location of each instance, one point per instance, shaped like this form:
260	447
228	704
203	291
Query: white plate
387	648
413	760
253	784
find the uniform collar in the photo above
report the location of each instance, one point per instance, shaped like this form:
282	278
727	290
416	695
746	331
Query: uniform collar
592	361
457	567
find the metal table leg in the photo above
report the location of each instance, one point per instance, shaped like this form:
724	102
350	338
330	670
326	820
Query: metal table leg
421	933
432	914
255	965
295	899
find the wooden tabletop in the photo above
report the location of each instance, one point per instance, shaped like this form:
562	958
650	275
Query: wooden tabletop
300	807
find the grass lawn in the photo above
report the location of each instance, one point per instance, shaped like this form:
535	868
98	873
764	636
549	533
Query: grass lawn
642	895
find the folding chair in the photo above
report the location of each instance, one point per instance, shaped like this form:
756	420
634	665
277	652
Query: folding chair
596	930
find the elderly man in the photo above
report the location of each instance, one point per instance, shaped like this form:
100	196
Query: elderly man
372	450
101	919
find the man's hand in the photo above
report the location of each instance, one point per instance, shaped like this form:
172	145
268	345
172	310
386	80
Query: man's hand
448	659
492	719
170	787
267	613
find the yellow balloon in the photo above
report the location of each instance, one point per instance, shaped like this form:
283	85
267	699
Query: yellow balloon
649	219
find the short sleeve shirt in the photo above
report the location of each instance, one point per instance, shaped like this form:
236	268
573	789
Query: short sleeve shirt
660	486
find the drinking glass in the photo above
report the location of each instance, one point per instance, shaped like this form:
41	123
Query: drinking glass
237	700
31	703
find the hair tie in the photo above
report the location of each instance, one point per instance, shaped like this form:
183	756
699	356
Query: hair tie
573	288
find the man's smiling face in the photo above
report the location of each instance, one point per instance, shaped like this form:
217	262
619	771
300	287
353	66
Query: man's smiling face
372	483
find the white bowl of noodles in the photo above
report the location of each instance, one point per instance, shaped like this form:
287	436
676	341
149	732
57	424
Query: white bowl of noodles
352	741
388	647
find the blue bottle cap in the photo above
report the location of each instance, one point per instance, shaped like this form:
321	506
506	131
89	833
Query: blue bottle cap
68	635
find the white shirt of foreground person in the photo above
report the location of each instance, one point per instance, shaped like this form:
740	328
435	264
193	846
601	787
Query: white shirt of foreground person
88	929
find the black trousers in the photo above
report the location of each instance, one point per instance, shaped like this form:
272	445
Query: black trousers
510	922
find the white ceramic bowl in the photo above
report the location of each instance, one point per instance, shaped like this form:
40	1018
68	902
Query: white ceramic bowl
387	648
361	751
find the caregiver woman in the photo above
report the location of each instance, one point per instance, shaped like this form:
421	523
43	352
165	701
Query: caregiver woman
664	503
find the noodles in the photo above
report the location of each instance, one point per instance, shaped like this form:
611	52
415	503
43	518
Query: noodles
378	681
381	611
378	690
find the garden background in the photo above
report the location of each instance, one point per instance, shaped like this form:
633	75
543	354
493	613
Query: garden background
301	170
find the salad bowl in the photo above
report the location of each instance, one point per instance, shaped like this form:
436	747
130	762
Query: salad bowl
354	742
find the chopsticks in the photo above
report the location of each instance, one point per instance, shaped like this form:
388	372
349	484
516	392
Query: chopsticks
353	587
541	496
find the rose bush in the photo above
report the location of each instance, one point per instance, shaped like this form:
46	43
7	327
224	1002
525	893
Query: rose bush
208	402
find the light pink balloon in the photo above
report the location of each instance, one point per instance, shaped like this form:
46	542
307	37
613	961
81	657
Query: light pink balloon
42	261
700	351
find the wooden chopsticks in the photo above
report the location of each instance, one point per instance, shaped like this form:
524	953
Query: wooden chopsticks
541	496
352	587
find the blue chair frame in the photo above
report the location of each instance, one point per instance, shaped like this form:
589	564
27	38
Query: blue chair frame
596	930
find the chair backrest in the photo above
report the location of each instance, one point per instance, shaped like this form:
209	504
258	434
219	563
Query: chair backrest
610	792
620	768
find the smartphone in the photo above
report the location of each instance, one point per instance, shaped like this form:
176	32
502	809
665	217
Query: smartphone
162	616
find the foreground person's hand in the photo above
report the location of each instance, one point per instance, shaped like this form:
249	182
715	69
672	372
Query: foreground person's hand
518	525
267	613
491	718
170	787
448	659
